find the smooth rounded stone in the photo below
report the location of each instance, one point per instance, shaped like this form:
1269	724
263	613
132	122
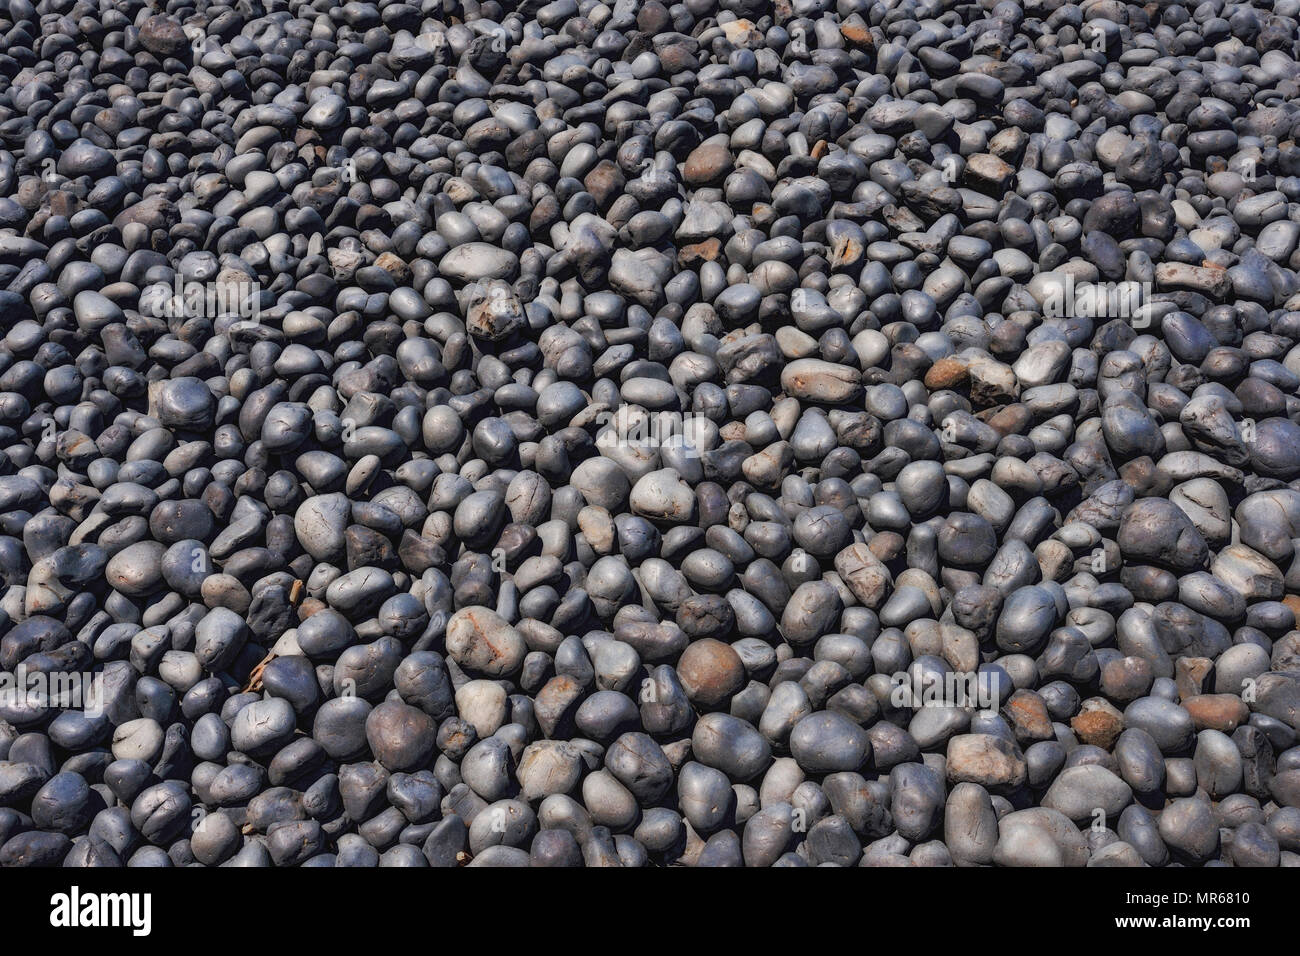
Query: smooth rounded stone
1237	666
723	849
1141	764
555	848
161	812
400	736
602	483
608	802
503	823
319	524
475	261
970	825
1247	573
640	764
485	769
1080	791
731	745
294	841
483	642
931	725
1157	531
1218	764
922	487
829	743
1254	846
993	763
812	612
710	672
359	591
816	380
660	830
325	634
787	704
549	767
606	714
663	496
35	848
1028	615
262	727
1285	787
705	797
215	839
831	842
219	637
85	158
1039	837
1117	854
140	739
185	404
63	804
136	570
917	800
484	706
1169	725
1188	828
1273	450
768	834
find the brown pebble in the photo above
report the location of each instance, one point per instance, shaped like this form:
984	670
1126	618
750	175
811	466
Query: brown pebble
707	164
1190	675
947	373
1223	712
1097	727
710	672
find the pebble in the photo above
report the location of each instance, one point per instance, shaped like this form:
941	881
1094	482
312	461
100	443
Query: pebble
700	434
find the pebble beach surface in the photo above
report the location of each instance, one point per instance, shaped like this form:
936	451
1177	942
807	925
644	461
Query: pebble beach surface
725	433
